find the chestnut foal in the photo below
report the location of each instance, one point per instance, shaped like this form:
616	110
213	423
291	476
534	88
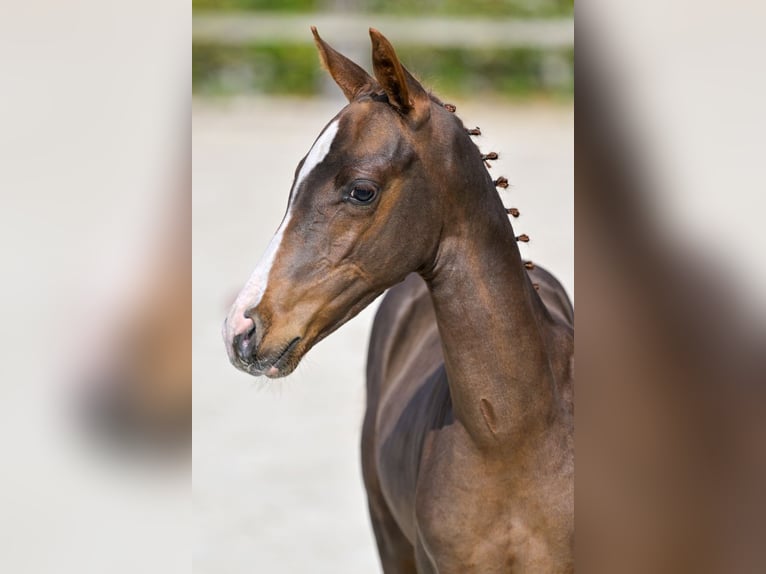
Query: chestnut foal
467	444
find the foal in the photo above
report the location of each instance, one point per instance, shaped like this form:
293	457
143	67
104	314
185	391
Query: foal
467	446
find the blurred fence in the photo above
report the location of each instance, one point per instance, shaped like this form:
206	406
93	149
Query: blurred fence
242	28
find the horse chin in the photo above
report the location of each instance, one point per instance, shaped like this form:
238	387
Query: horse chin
282	362
279	372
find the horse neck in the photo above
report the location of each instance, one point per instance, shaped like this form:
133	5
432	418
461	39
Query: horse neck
492	324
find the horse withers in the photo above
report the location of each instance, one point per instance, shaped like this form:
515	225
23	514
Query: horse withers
467	442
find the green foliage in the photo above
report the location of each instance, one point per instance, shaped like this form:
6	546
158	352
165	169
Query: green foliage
517	71
261	68
294	69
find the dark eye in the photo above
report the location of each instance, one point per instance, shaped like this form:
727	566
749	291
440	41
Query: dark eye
362	192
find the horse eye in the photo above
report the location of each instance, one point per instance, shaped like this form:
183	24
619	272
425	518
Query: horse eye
362	194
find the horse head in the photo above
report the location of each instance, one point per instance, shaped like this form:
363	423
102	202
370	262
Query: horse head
367	207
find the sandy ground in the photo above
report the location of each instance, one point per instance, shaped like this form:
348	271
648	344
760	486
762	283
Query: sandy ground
277	482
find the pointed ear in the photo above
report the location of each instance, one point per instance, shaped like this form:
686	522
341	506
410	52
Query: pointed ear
404	92
352	79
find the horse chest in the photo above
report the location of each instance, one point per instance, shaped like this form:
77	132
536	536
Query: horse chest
472	514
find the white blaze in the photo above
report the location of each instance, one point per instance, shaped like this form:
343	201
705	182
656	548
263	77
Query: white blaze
253	291
318	152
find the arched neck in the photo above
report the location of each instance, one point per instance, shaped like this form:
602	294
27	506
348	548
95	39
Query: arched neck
493	326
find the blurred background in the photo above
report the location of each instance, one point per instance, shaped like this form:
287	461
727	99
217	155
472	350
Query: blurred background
671	377
95	199
479	48
277	478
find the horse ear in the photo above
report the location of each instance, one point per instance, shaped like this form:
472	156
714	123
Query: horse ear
352	79
404	92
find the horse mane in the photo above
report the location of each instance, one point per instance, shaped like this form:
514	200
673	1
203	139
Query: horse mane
378	95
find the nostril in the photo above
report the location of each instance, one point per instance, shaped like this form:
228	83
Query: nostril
244	342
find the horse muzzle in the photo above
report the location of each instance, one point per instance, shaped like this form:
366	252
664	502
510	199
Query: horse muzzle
244	337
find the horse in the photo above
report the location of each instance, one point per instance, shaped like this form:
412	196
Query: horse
467	440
